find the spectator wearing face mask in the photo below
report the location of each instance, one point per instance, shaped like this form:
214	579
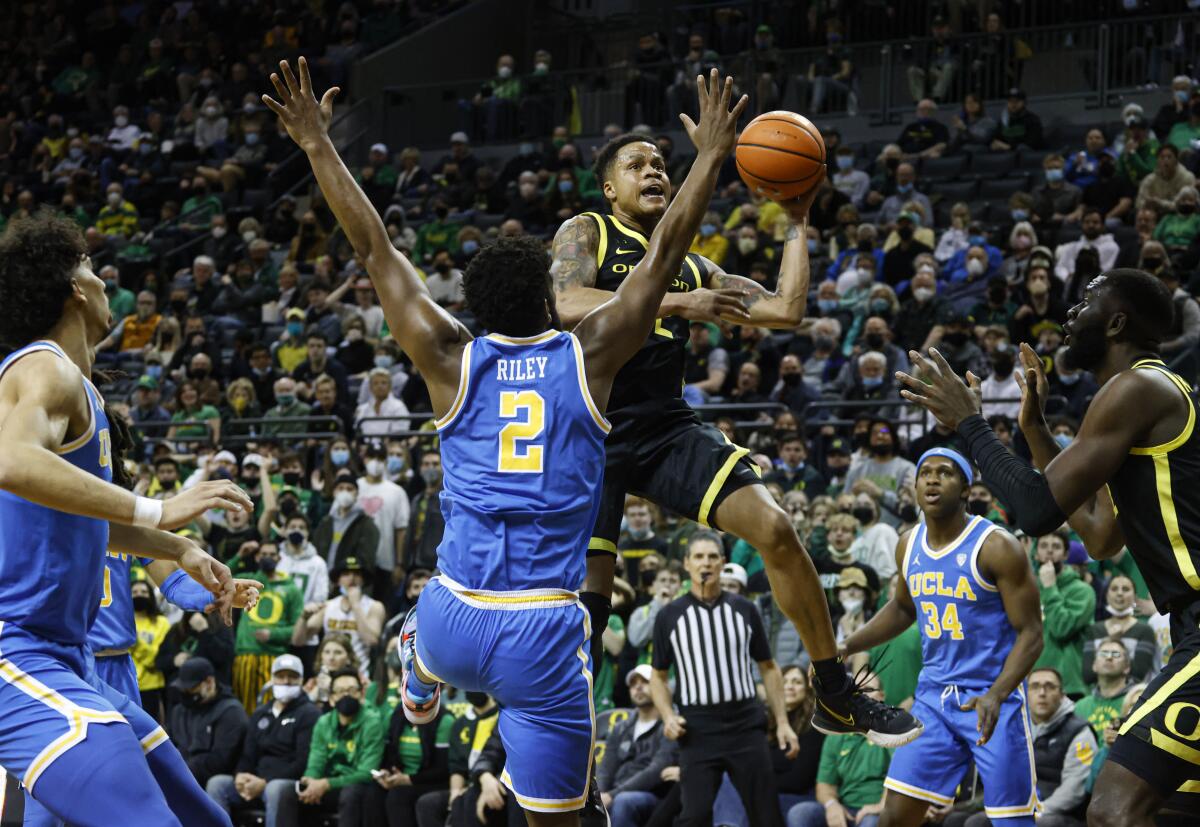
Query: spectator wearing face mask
853	183
287	406
1022	238
751	255
264	632
382	404
387	504
1184	332
876	543
426	523
298	558
884	468
276	748
893	205
1185	134
638	539
1001	383
1075	385
1055	198
445	283
1179	230
976	263
922	312
1120	623
528	204
208	724
709	242
199	208
898	261
346	531
997	307
1041	309
134	332
792	471
118	217
1110	193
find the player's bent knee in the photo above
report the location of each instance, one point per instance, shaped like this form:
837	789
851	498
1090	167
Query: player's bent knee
774	536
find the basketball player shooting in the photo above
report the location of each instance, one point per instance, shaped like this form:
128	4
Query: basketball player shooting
658	448
1138	443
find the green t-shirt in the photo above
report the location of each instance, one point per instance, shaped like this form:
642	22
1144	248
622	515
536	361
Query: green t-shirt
606	675
279	606
411	754
1099	712
205	412
122	303
747	556
391	697
898	664
856	767
1182	134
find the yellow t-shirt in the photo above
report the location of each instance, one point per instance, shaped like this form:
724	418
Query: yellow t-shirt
151	631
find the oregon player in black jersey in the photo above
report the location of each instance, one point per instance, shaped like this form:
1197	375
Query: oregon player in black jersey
659	449
1138	448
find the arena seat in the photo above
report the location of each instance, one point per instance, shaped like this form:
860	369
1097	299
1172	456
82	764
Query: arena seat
993	164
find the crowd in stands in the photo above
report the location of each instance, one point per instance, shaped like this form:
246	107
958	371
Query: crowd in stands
259	353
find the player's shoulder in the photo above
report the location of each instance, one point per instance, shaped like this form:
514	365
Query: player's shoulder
43	373
582	230
1001	548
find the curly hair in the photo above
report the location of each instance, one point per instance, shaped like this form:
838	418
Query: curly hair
38	256
507	286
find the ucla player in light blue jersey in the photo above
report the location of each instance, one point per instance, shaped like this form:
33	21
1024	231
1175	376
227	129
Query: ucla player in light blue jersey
87	753
114	632
969	585
522	433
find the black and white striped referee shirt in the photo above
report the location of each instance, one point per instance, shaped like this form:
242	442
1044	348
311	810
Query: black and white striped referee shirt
711	646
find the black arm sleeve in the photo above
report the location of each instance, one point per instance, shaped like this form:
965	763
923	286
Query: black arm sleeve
1017	483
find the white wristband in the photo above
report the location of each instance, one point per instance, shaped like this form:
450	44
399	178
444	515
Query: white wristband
147	513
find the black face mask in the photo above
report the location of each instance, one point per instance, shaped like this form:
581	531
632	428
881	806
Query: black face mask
291	478
997	295
288	507
648	577
892	163
179	306
267	565
875	341
907	513
1151	264
191	700
1107	170
478	699
143	604
1185	209
956	338
864	514
348	706
791	379
905	233
1002	366
859	439
865	246
441	213
978	507
442	267
881	450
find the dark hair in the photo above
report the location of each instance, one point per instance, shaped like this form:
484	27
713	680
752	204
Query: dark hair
346	673
608	152
1051	669
1147	301
38	257
153	610
259	348
507	285
315	332
1092	211
705	534
1167	148
792	436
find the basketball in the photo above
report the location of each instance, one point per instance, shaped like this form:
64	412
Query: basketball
779	154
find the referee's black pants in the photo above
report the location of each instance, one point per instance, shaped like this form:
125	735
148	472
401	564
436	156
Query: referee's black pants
718	743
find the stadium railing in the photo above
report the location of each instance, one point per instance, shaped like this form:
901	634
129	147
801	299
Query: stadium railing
1087	60
231	431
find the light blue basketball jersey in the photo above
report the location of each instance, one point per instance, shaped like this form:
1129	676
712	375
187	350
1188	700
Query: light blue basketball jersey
965	634
523	459
51	562
115	626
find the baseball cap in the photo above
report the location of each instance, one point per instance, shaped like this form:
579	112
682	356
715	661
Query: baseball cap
642	670
225	456
838	446
379	148
348	564
734	572
852	576
1076	554
1016	92
193	672
295	313
345	475
287	663
460	138
253	459
148	382
909	215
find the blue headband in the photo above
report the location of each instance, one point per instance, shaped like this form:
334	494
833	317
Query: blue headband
952	455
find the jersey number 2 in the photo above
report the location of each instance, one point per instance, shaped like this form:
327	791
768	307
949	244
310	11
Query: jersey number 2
517	454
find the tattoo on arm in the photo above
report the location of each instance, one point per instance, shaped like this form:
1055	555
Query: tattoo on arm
574	262
793	233
755	292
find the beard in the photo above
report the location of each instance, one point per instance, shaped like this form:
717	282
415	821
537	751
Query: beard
1087	348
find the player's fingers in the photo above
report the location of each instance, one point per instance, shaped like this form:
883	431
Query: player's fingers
289	77
920	361
702	91
280	89
1020	380
272	104
740	106
327	99
305	79
688	124
726	93
973	381
915	398
942	364
912	381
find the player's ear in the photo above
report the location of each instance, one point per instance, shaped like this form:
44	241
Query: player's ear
1117	323
610	192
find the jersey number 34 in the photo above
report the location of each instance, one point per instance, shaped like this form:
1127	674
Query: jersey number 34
518	453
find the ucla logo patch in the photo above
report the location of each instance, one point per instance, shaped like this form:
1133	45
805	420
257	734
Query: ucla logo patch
960	558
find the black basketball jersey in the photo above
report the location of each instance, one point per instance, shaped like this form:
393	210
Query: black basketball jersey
1156	492
655	371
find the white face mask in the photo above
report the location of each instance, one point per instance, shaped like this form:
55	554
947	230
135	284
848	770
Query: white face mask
974	266
285	694
851	605
249	236
375	468
1126	612
344	499
114	198
219	232
504	72
121	121
865	277
923	294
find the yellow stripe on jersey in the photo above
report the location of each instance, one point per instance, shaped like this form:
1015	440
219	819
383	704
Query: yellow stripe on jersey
1186	433
917	792
1176	748
634	234
464	380
601	422
600	544
1164	692
537	339
718	482
157	737
602	247
1166	504
695	271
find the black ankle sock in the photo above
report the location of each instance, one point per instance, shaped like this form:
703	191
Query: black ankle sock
598	608
831	675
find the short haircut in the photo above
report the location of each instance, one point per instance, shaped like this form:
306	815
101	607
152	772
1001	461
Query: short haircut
1168	148
346	673
705	535
1147	301
507	285
842	520
792	436
608	152
1054	671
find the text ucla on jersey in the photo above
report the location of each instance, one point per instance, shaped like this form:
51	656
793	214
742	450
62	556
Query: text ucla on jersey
51	562
523	459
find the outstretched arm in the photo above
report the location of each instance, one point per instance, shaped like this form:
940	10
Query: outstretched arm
890	621
430	335
1096	520
1003	561
614	331
785	307
40	395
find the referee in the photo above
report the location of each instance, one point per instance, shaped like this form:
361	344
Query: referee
710	637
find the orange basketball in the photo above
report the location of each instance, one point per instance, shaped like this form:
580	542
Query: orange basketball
779	154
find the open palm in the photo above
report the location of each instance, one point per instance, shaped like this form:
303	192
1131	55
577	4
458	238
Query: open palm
307	120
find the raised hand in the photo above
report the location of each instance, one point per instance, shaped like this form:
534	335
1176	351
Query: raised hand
939	391
718	123
1031	379
306	119
187	506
